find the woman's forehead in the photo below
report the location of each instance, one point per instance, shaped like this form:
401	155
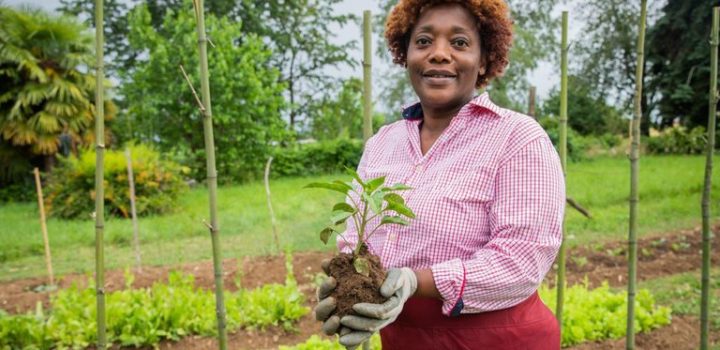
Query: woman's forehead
454	15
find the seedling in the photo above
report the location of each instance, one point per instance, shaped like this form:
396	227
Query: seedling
372	200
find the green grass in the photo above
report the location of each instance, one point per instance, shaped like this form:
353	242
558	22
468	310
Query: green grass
670	199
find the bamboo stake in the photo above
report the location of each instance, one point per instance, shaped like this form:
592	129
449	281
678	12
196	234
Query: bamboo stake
706	234
531	102
211	173
133	211
634	180
99	176
269	201
563	159
43	226
367	76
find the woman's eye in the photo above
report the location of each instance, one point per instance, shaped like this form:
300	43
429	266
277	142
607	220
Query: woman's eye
461	43
422	41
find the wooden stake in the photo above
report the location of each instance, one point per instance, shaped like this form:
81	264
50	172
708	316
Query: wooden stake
634	181
706	234
270	208
531	102
560	288
43	226
367	76
131	182
99	177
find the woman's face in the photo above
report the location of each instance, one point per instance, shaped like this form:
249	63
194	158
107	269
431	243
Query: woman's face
443	59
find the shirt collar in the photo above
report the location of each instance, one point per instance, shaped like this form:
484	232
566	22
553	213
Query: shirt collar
414	111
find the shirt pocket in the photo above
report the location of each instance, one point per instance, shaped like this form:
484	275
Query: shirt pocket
393	173
465	184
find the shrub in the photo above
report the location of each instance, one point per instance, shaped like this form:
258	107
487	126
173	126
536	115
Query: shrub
576	144
678	140
71	185
317	343
600	313
317	158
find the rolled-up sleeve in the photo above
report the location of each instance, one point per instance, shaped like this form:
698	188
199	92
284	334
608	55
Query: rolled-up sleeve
526	218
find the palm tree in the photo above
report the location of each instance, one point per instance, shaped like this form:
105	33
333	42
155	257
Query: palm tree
46	83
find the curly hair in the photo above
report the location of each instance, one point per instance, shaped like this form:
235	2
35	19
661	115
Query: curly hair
493	22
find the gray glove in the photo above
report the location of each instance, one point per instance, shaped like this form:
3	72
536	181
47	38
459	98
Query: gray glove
399	286
326	304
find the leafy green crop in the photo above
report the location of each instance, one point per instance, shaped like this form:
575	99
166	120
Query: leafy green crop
317	343
602	314
141	317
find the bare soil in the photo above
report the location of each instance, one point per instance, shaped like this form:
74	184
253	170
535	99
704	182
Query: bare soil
352	287
659	255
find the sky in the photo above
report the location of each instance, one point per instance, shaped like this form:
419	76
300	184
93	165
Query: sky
545	77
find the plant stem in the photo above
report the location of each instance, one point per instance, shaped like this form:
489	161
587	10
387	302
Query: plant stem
706	234
99	177
211	173
563	159
634	180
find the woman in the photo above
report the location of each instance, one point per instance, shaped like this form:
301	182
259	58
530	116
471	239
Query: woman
488	191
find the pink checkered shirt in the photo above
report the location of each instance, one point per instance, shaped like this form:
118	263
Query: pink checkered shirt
489	197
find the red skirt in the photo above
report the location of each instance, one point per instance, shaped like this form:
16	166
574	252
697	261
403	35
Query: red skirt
421	325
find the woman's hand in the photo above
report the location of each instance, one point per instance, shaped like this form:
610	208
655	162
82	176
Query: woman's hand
327	304
399	286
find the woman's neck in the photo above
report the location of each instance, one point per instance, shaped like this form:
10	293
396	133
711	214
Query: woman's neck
435	120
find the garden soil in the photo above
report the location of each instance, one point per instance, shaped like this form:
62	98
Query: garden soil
352	287
660	255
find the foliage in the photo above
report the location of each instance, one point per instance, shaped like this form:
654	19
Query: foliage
317	343
678	140
142	317
386	208
318	158
680	68
247	98
46	91
600	313
341	116
70	187
588	113
576	144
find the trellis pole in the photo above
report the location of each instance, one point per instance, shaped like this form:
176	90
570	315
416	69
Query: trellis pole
99	176
560	288
706	233
367	76
43	226
206	109
634	180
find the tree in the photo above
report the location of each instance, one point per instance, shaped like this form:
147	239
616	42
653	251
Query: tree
46	91
534	41
589	113
247	97
681	67
342	115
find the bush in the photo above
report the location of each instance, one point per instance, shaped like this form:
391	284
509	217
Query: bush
600	313
576	144
317	158
678	140
71	185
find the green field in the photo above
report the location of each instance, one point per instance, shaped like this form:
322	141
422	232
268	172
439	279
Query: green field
670	194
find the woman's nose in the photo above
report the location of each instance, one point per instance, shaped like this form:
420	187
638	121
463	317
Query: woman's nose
440	52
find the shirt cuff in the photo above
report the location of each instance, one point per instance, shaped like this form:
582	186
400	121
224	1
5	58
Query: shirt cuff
450	280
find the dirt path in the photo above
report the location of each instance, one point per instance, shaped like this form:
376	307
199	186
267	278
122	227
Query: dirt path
661	255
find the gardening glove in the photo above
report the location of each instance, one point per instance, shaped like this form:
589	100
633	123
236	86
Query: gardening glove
399	286
326	304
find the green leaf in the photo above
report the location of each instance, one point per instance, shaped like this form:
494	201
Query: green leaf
394	198
394	220
374	202
375	183
339	217
398	187
333	186
401	209
357	178
325	234
362	266
344	207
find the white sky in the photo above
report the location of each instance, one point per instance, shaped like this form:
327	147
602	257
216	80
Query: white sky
545	77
